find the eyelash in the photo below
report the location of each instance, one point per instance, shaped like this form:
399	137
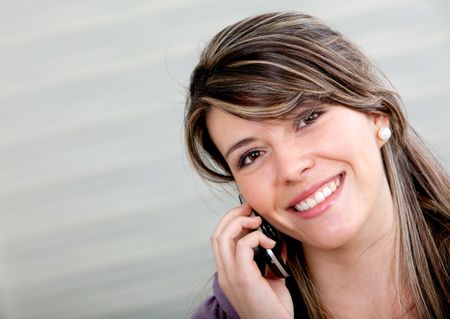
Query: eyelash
245	156
307	119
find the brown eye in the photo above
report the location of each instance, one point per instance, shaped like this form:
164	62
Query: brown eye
309	119
248	158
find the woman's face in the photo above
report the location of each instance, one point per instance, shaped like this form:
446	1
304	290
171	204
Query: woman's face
318	177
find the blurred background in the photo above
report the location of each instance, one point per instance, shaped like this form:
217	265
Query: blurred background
101	216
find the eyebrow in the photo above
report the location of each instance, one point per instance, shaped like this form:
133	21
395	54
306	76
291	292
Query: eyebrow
239	144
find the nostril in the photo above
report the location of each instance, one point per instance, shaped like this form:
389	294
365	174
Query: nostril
296	173
292	162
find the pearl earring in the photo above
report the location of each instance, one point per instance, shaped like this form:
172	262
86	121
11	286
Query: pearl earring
384	133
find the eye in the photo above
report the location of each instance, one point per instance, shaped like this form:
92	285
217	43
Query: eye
309	119
248	158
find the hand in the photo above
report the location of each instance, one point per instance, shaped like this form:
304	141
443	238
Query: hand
251	294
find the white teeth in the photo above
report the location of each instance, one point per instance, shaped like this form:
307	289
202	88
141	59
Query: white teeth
327	192
311	202
333	186
318	197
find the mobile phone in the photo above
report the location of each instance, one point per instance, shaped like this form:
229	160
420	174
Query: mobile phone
269	257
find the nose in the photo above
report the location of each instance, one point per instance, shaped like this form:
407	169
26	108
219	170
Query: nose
292	163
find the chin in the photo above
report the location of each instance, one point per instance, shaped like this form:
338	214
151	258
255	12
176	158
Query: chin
333	243
332	239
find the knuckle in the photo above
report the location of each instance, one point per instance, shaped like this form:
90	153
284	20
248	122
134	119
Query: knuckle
246	243
239	245
213	238
221	239
254	236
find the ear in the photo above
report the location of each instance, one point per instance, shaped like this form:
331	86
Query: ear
380	122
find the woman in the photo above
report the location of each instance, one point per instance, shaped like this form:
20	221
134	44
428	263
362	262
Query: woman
297	117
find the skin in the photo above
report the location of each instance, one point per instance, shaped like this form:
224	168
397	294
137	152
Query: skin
348	241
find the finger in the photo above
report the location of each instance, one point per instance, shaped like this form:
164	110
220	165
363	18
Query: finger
224	244
223	223
243	210
236	229
245	253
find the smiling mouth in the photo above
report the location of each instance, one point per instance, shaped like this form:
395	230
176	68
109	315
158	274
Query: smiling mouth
320	195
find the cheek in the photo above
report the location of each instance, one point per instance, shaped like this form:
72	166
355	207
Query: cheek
354	145
362	155
357	149
258	192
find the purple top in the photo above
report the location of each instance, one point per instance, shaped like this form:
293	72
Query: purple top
216	307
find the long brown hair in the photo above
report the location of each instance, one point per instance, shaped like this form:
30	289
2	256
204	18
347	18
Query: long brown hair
266	66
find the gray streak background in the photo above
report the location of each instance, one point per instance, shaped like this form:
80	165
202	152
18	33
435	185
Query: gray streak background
100	214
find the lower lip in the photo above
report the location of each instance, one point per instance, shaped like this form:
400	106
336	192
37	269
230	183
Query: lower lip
322	206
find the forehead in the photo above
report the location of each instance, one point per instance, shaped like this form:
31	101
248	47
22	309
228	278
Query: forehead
217	117
220	121
225	128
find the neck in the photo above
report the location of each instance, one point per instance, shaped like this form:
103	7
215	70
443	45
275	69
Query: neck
357	280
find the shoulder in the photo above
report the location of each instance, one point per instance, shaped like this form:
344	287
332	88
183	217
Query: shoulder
215	307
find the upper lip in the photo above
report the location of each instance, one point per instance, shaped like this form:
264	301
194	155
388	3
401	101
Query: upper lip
310	190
